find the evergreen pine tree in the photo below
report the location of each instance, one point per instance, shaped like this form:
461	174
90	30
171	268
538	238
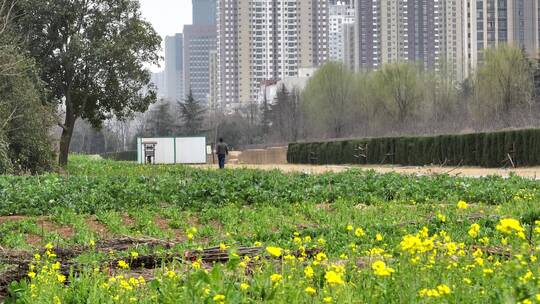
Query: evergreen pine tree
192	113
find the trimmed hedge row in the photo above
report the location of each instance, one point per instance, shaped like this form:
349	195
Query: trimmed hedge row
479	149
122	156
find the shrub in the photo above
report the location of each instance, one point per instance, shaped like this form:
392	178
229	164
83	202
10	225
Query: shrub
479	149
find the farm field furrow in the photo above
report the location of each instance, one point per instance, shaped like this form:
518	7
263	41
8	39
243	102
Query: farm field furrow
113	232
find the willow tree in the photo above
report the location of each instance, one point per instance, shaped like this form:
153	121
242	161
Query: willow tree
400	87
328	100
504	85
92	56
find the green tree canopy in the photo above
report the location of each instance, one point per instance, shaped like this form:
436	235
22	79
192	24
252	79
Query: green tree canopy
91	54
25	121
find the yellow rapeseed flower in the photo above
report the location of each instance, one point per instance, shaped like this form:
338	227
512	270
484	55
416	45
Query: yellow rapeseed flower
31	274
321	256
509	226
123	264
350	228
310	291
474	230
359	232
441	217
526	277
276	278
334	278
308	271
327	299
462	205
484	241
134	254
378	237
439	291
244	286
219	298
380	269
443	289
61	278
49	246
274	251
289	257
223	247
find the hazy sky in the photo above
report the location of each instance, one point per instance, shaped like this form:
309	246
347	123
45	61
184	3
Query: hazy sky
167	16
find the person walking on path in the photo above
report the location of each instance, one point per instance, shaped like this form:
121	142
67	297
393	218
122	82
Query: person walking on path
222	150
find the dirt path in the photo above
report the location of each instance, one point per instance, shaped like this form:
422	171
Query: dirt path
533	172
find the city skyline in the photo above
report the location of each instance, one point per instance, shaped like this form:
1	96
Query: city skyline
249	44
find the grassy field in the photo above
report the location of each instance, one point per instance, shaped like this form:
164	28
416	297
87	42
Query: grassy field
112	232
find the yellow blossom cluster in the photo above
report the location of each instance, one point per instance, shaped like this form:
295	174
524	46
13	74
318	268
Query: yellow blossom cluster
439	291
381	269
474	230
511	226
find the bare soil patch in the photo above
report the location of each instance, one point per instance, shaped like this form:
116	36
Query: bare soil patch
34	240
128	220
97	227
164	224
12	218
65	232
531	172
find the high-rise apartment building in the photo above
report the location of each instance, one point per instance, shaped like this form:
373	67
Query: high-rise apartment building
367	34
348	45
158	79
199	40
494	22
174	66
341	14
428	32
204	12
213	69
262	40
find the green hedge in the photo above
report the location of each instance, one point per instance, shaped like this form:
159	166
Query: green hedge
123	156
479	149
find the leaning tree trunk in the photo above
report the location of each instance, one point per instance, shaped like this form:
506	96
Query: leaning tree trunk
65	138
